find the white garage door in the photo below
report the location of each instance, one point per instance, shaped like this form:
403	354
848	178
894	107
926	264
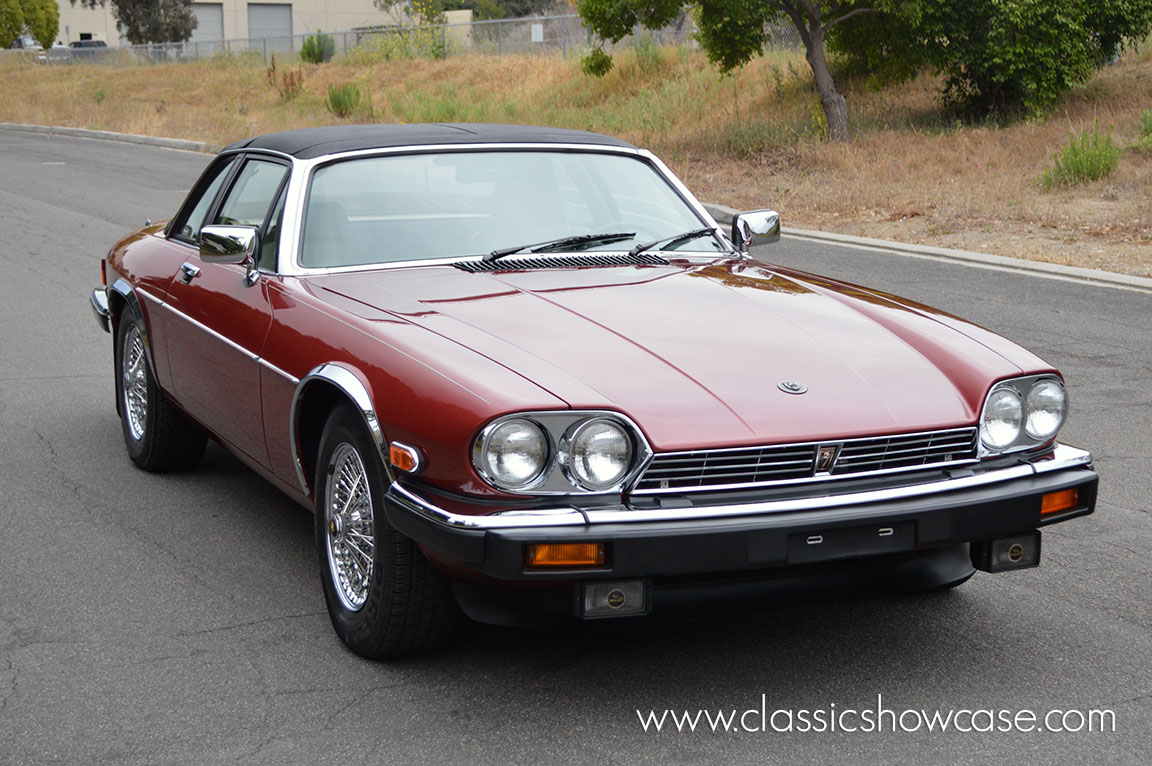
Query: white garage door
210	22
271	20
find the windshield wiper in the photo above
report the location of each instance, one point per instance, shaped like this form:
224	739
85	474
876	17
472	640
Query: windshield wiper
675	239
587	240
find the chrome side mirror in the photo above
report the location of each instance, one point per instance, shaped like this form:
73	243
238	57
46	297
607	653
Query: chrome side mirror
762	224
231	244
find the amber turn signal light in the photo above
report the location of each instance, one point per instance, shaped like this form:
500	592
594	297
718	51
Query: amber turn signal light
405	458
566	555
1054	502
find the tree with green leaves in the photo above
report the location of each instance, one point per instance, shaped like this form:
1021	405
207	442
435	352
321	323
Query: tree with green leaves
42	20
150	21
38	18
996	57
11	22
731	32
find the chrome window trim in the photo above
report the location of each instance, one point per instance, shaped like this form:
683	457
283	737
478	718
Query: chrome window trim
302	171
1064	457
823	477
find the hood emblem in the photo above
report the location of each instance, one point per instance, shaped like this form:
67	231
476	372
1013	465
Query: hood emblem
791	387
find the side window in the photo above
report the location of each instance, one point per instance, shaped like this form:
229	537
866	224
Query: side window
189	229
270	242
252	194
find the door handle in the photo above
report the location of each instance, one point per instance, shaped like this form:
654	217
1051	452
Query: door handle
188	272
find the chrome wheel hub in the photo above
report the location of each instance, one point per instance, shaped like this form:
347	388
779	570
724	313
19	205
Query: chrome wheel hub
134	384
349	526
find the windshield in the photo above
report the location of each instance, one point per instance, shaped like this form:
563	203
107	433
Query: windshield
377	210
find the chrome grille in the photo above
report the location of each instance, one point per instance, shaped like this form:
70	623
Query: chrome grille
891	452
760	466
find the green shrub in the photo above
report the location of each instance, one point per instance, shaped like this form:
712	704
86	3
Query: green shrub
399	43
596	64
1144	143
317	48
345	99
98	95
647	53
1088	157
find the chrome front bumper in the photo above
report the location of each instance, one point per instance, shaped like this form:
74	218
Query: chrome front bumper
100	309
1064	458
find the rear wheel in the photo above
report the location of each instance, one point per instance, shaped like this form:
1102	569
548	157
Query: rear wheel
385	600
159	437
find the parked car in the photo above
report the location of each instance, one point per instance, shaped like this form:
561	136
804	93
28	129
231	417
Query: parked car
58	52
26	43
522	373
89	50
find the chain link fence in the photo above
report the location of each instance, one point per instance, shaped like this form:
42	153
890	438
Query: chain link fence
542	35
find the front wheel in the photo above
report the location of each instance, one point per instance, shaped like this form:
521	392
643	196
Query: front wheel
385	600
159	437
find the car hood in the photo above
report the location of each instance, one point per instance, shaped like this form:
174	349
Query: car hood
699	353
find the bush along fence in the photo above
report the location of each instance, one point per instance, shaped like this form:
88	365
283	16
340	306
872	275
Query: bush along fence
546	35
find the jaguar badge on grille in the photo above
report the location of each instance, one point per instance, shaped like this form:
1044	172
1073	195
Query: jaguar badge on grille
826	457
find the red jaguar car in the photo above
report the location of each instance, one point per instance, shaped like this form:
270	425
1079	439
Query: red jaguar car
522	374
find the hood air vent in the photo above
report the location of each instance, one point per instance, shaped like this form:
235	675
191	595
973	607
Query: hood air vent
561	262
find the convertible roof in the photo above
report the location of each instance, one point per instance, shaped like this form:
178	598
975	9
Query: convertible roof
309	143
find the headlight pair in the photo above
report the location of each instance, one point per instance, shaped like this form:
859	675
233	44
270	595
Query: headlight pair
1022	413
559	452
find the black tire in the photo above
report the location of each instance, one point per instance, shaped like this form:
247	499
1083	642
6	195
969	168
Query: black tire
159	437
399	606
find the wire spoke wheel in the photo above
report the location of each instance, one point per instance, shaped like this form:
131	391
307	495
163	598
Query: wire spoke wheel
385	599
350	528
135	383
157	434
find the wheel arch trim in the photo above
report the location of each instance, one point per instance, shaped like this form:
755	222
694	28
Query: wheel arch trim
349	384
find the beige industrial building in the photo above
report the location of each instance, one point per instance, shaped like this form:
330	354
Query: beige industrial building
238	19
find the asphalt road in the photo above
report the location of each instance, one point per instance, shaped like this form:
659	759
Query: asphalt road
179	619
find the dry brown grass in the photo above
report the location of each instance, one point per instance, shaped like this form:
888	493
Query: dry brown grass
749	140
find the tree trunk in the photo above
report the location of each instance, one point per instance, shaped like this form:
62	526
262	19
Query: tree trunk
835	108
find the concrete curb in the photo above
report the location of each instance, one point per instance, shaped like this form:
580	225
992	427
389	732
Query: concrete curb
724	214
108	135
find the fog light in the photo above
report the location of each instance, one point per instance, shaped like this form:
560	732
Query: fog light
1054	502
565	555
1016	552
614	598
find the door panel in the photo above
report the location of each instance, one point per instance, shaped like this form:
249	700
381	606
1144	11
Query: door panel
218	323
216	331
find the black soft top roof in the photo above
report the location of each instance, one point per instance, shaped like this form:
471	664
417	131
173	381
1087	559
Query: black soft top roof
309	143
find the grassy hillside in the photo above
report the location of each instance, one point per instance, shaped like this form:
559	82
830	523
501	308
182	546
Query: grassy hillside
749	140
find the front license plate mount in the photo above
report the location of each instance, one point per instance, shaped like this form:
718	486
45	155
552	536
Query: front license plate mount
851	542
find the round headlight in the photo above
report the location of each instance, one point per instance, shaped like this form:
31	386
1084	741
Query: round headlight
1003	419
599	453
514	454
1046	406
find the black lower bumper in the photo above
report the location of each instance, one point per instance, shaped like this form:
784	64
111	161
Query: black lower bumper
727	593
725	544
